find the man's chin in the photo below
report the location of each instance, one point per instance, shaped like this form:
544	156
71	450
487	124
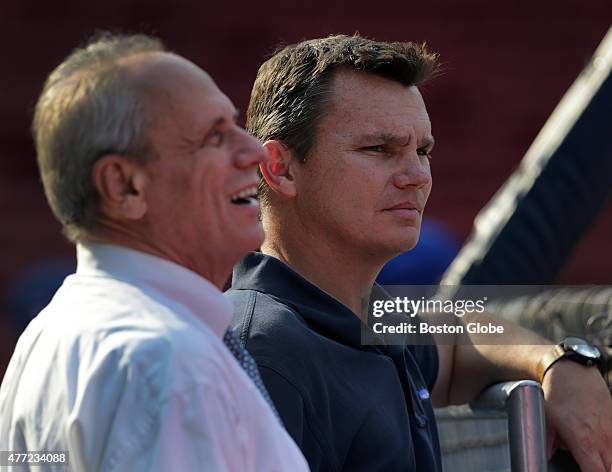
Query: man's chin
251	239
390	249
397	247
405	240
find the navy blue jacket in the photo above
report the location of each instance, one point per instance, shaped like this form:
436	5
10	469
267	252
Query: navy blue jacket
348	406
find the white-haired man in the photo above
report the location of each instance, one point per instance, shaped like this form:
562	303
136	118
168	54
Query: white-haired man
130	367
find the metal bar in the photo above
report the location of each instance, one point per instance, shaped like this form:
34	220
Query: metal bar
526	428
524	403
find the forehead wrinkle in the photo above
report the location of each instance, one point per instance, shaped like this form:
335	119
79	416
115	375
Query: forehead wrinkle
355	117
395	128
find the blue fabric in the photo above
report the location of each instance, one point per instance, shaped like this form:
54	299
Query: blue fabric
32	288
427	262
349	407
248	364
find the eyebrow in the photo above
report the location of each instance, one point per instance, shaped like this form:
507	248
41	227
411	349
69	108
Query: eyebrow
387	138
221	119
397	140
429	142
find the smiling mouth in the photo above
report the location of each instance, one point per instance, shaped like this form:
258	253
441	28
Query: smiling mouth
245	197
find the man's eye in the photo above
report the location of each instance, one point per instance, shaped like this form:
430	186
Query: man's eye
424	152
214	138
377	148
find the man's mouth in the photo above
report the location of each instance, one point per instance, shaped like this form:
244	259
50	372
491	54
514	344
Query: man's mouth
406	206
245	197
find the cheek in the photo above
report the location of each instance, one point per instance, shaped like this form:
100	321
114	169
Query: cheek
428	190
345	187
205	185
364	194
425	191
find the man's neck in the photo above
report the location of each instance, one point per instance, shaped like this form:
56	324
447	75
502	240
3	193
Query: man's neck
215	270
334	268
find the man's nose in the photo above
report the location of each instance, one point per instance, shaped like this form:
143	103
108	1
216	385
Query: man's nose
415	173
250	152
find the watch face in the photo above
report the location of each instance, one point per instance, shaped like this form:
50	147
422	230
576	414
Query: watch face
581	347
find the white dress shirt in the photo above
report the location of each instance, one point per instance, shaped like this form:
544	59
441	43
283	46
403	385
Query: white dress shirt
126	370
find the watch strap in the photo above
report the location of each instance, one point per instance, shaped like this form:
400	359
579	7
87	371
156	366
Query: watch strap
549	359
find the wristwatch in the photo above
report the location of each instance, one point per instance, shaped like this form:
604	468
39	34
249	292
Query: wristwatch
574	349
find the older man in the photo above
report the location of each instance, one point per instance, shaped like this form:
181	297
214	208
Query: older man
126	369
343	192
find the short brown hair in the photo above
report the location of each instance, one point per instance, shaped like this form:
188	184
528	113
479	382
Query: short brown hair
292	86
88	108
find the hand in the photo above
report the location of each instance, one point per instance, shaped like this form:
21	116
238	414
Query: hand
578	409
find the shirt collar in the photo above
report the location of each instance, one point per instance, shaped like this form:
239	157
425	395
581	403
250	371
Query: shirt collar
171	280
325	314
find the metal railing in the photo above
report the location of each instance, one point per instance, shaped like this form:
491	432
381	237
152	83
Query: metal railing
523	402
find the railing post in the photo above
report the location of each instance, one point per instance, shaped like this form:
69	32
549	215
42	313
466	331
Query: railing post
524	403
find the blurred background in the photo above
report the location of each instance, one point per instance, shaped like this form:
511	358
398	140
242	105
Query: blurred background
506	65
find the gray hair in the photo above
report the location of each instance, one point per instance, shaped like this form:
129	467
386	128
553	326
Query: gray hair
89	108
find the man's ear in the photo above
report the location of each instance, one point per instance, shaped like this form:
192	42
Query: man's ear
277	169
121	184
